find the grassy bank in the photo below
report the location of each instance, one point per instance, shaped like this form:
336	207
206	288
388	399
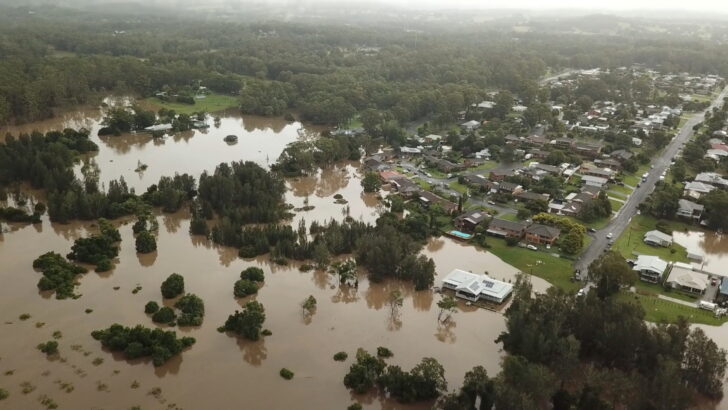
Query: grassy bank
211	103
631	243
659	310
556	271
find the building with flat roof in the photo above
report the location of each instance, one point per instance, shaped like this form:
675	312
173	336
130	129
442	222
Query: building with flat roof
475	287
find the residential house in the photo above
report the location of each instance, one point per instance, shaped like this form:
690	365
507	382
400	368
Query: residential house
405	186
594	181
478	182
566	208
696	189
551	169
712	178
476	287
469	220
608	163
433	138
542	234
537	140
657	238
500	175
531	196
689	209
592	191
591	150
564	143
506	229
388	176
593	170
650	268
470	125
375	165
716	154
722	295
443	165
621	155
428	199
513	140
684	278
409	151
506	187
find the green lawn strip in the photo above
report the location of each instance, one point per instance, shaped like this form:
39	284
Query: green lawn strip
436	173
634	178
658	289
630	242
456	186
422	184
508	217
355	123
211	103
659	310
616	205
620	190
485	166
556	271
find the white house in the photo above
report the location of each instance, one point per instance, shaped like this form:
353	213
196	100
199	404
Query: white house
696	189
650	268
473	287
657	238
470	125
684	278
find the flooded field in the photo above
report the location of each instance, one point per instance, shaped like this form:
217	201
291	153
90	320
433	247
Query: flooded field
219	371
712	245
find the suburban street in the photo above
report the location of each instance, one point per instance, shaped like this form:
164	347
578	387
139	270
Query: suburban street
620	222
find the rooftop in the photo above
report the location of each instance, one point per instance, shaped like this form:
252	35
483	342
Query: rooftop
477	285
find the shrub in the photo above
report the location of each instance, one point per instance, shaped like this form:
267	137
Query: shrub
140	342
246	323
173	286
355	406
253	273
164	315
266	332
4	394
145	242
104	265
286	374
151	307
245	287
192	308
384	352
341	356
50	347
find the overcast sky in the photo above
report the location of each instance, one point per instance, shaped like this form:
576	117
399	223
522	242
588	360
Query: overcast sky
695	5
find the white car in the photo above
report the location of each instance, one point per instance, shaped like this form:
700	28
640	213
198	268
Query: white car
609	235
531	247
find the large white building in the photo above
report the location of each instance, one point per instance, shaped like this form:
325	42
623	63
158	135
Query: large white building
473	287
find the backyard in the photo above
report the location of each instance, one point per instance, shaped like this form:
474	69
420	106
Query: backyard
663	311
631	243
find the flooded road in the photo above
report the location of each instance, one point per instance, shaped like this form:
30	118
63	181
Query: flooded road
219	371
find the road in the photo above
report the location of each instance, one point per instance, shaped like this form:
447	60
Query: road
620	222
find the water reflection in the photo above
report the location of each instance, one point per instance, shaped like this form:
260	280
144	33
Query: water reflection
254	352
712	245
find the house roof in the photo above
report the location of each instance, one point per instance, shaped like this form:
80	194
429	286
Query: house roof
698	187
475	217
476	284
508	186
507	225
711	178
532	196
595	181
658	236
650	263
689	206
543	230
688	278
622	154
724	286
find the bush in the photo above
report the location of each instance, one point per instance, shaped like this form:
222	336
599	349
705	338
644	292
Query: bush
104	265
384	352
4	394
192	308
140	342
164	315
355	406
512	241
341	356
50	347
266	332
253	273
246	323
286	374
151	307
145	242
58	274
173	286
245	287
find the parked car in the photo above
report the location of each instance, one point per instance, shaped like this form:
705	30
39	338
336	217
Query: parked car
531	247
592	230
491	203
609	235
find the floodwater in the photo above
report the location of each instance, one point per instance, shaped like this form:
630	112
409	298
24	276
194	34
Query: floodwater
219	371
713	246
260	139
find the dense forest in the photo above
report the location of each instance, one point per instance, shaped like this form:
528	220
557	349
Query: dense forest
326	73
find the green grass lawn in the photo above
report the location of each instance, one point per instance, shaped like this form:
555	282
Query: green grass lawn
508	217
631	240
655	288
621	190
598	224
556	271
211	103
634	178
616	205
456	186
436	173
422	184
658	310
485	166
355	123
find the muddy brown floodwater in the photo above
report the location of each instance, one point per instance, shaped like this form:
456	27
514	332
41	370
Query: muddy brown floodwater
713	246
222	372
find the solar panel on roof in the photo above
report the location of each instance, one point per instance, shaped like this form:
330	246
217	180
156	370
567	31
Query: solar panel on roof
488	284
